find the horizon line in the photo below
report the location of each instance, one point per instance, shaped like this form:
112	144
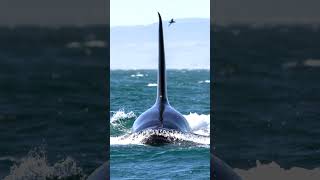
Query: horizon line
122	26
148	24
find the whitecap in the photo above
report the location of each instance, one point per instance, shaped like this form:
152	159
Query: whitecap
205	81
95	44
119	120
73	45
152	85
35	166
274	171
121	114
199	123
138	75
312	62
9	158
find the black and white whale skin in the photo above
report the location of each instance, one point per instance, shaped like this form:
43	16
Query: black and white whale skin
162	116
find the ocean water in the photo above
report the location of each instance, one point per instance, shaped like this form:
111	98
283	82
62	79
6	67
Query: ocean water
266	94
52	102
134	91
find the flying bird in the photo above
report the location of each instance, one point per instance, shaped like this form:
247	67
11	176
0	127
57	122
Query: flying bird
171	21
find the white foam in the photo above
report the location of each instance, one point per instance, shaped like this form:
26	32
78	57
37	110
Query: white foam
95	44
121	114
89	44
138	75
175	136
152	85
275	172
126	140
118	120
199	124
312	62
73	45
36	167
205	81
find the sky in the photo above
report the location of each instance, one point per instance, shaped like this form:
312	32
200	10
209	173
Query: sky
143	12
187	42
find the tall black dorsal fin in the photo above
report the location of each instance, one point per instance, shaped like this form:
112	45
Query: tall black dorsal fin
162	86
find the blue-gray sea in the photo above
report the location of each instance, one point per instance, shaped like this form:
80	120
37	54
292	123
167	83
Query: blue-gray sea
133	92
52	101
265	97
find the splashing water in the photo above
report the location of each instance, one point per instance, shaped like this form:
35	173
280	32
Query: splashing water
121	114
199	123
122	122
35	166
173	136
275	172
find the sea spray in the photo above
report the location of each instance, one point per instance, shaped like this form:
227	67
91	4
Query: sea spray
121	122
35	166
199	123
275	172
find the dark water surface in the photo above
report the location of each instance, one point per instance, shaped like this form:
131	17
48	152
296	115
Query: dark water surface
267	95
52	95
266	98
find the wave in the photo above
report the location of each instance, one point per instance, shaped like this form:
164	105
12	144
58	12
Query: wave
121	122
138	74
312	62
152	85
205	81
35	166
9	158
121	114
199	123
275	172
88	44
306	63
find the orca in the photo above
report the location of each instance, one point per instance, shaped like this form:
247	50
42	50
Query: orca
101	173
161	116
221	171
